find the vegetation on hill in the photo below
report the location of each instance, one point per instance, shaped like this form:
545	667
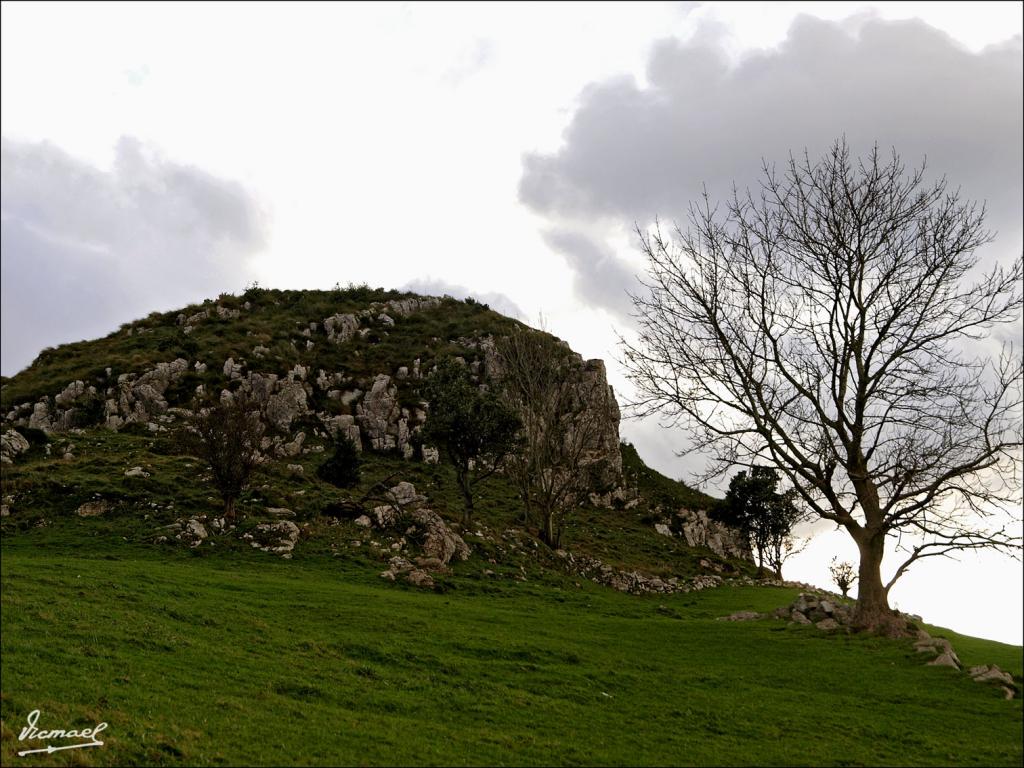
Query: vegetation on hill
220	653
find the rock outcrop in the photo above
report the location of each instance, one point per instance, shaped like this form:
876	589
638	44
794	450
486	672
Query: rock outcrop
12	443
701	531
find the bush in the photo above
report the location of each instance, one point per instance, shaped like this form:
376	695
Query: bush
342	468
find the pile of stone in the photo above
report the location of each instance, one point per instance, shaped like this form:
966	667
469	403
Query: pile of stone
407	510
634	582
995	676
824	613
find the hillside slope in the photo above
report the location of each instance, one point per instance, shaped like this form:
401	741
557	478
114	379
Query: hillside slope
306	634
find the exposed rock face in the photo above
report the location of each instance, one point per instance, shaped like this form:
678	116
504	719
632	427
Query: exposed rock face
590	380
378	414
700	531
341	328
287	405
11	444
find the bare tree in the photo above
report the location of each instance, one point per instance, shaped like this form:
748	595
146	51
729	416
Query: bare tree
226	435
828	328
556	459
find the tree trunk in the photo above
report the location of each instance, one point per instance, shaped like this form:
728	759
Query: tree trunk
873	611
467	500
229	509
547	533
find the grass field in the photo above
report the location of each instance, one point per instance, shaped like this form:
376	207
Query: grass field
247	659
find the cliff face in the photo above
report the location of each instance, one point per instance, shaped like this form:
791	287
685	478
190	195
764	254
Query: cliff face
355	373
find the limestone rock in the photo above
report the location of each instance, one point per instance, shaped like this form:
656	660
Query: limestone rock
136	472
378	411
293	448
277	538
194	533
12	443
993	674
663	529
438	540
827	624
92	509
287	405
420	578
340	328
945	659
700	531
280	512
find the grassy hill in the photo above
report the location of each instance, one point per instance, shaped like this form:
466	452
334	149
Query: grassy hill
246	659
222	654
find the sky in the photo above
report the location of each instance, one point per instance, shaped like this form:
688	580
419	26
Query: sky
155	155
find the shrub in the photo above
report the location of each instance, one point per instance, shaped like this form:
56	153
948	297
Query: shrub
342	468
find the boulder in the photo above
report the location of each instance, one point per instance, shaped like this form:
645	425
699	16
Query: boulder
945	659
277	538
92	509
341	327
279	512
438	540
827	624
663	529
287	405
420	578
194	533
136	472
12	444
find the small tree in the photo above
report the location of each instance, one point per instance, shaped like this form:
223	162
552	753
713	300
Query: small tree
474	430
842	574
765	516
226	435
341	469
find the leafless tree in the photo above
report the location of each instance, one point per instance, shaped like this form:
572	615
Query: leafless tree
835	327
553	466
226	435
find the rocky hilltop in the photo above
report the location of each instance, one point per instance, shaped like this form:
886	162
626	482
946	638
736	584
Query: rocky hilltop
320	364
378	408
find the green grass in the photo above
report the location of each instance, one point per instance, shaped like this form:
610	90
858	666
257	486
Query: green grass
248	659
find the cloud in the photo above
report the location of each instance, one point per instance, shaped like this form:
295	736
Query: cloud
499	302
600	278
85	249
632	152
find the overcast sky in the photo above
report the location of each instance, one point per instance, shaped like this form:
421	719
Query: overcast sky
155	155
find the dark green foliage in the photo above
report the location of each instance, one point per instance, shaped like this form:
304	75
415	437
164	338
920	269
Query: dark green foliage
341	469
765	516
473	429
